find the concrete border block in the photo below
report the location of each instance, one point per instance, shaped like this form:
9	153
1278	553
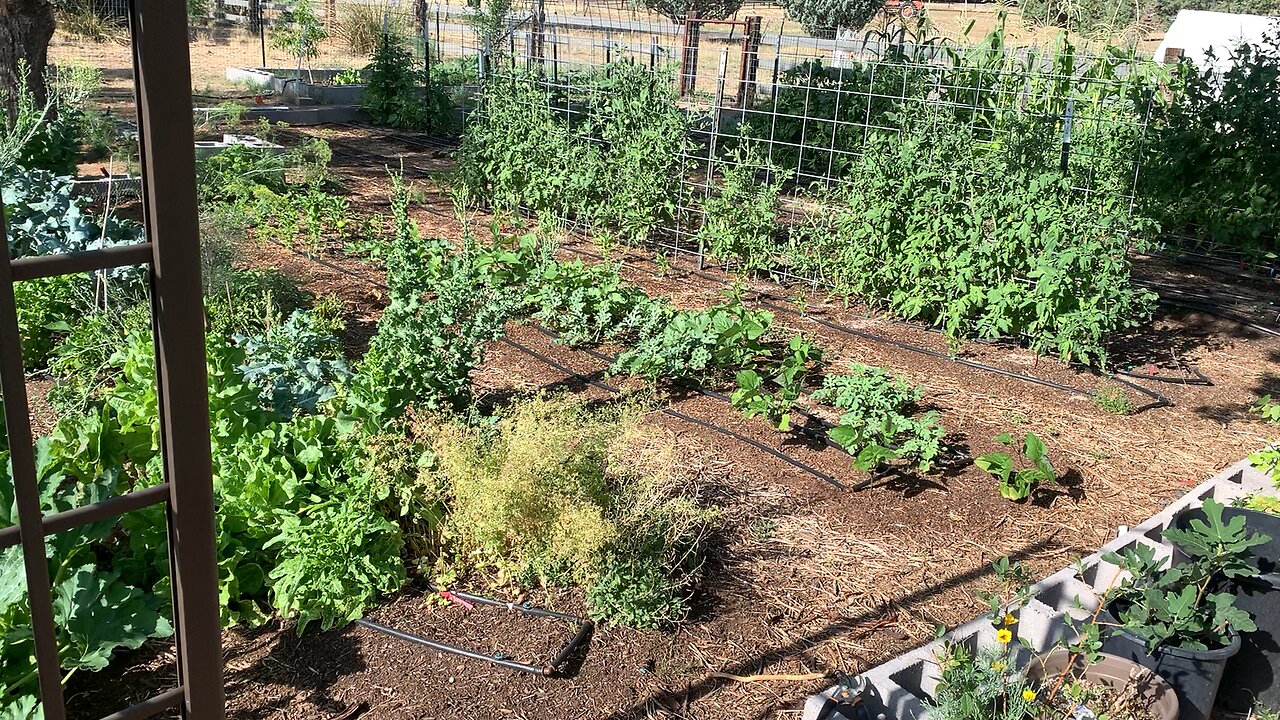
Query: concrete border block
899	688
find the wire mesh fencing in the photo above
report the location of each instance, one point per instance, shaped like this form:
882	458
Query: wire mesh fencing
805	117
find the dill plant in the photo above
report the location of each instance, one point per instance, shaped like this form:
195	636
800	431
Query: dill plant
555	493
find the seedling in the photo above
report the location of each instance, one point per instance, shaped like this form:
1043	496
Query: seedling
1268	409
1018	485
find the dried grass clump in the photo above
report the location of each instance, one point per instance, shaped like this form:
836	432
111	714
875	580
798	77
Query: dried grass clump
554	492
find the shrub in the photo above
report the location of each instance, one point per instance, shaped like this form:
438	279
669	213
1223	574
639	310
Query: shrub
678	10
360	25
394	96
822	18
557	493
1213	171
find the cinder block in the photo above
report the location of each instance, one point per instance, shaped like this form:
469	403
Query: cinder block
899	688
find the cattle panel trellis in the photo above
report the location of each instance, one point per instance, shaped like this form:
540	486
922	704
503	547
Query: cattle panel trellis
810	106
172	256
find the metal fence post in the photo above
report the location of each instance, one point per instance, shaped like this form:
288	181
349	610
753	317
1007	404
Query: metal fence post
750	61
162	66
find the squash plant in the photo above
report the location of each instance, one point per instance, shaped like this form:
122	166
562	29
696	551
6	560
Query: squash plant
1017	485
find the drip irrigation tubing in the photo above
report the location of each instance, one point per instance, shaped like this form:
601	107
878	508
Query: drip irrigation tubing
1158	399
681	416
584	628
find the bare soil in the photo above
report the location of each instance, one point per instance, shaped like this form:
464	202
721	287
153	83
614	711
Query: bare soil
802	578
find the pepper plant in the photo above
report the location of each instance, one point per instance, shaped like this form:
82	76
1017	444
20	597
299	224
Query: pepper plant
1017	485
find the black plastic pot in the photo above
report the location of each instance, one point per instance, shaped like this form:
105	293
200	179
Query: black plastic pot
1266	556
1194	674
1250	677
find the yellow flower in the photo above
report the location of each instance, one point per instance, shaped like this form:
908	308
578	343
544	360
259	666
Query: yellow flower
1029	695
998	666
1003	635
1009	619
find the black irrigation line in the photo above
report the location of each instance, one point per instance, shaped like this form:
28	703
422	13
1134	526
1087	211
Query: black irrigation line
679	415
583	630
1158	399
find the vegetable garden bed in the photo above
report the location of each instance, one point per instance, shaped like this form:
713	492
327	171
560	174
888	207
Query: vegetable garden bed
802	580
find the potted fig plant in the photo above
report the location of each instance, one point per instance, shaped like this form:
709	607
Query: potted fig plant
1173	618
1251	676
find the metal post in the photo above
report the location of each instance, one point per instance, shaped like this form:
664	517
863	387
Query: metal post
715	137
256	11
162	68
750	61
26	492
439	37
653	52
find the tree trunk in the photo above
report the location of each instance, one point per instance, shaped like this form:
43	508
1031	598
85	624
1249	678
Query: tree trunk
26	27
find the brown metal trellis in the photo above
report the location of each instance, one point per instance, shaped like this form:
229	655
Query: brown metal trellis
162	70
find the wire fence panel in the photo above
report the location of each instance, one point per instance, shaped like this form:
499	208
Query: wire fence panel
804	112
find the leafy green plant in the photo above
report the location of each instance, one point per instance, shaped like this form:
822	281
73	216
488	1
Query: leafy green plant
1173	606
692	343
349	76
753	396
1018	484
339	558
1267	409
445	305
46	309
394	94
298	363
878	420
585	303
1268	460
300	33
740	217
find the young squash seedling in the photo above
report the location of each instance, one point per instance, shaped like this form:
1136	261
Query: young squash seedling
1018	485
1268	409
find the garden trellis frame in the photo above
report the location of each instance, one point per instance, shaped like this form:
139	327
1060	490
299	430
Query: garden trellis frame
162	71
